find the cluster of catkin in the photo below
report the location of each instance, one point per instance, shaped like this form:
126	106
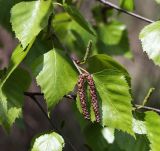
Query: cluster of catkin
86	77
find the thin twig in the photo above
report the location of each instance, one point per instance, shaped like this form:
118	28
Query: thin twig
147	107
83	69
69	96
125	11
32	96
77	66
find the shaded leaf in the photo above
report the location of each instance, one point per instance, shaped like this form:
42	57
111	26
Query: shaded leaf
93	131
11	97
113	39
150	37
29	18
76	15
64	27
57	76
128	143
153	131
100	62
48	142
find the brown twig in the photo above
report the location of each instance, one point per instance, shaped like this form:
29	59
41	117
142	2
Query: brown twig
125	11
147	107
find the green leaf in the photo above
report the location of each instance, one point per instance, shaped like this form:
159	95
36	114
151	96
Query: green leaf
153	131
29	18
115	98
78	39
150	37
76	15
17	57
127	4
39	47
48	142
103	135
11	97
113	39
128	143
100	62
57	77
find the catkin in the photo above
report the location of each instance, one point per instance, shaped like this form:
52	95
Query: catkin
94	100
82	96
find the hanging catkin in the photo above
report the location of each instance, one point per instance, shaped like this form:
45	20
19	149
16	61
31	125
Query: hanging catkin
82	96
94	99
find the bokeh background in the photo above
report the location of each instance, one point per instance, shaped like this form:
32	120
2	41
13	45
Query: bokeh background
143	72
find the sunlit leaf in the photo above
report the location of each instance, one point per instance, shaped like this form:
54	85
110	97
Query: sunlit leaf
153	131
29	18
115	100
48	142
150	37
57	77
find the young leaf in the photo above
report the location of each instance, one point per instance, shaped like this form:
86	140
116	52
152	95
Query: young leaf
48	142
150	37
11	97
76	15
153	131
127	4
113	92
29	18
57	77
